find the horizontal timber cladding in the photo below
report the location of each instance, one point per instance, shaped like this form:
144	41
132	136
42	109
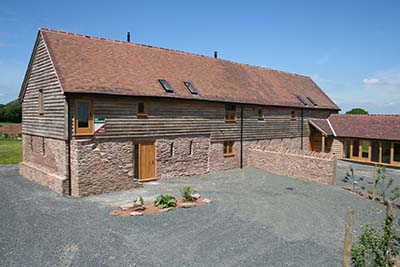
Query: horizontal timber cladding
174	117
42	76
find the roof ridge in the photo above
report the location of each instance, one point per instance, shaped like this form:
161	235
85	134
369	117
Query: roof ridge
170	49
370	115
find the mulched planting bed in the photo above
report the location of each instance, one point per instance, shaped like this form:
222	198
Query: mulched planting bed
150	208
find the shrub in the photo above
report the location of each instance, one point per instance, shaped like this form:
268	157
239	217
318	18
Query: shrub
165	201
139	201
385	186
187	193
376	247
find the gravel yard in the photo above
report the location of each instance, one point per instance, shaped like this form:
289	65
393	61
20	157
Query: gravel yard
254	219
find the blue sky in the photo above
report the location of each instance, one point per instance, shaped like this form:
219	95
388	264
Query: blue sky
350	48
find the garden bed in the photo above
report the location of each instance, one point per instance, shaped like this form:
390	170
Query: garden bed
150	208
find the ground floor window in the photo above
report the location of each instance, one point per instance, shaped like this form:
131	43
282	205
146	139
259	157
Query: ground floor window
229	149
372	151
396	152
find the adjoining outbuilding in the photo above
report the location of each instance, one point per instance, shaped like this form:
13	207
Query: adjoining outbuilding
360	138
102	115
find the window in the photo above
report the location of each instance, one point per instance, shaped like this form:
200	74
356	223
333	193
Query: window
375	151
142	109
191	147
396	152
83	117
191	88
171	150
365	149
302	100
293	115
260	115
230	113
312	101
168	88
356	148
43	147
229	149
386	152
41	101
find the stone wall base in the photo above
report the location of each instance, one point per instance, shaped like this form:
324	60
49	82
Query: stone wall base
46	179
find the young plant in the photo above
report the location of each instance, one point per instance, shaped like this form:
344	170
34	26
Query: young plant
376	247
351	178
165	201
139	201
187	193
385	187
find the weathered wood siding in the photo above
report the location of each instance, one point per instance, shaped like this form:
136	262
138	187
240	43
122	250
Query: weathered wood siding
43	76
337	147
172	117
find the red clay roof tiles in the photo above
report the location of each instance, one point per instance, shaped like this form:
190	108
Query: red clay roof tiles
96	65
385	127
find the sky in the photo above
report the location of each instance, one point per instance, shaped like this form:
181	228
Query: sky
351	49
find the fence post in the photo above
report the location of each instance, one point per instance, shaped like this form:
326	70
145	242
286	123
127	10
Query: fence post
374	184
346	262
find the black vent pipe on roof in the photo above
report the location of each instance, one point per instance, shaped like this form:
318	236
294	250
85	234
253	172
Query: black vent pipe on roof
215	54
128	37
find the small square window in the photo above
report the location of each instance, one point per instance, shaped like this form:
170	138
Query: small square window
260	114
230	113
142	109
293	115
229	149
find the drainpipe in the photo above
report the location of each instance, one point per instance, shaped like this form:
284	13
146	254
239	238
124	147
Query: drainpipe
69	147
241	136
302	128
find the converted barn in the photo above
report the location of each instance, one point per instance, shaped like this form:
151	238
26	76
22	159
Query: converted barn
101	115
360	138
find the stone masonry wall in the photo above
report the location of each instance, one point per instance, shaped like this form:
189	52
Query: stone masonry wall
100	166
183	161
307	166
45	162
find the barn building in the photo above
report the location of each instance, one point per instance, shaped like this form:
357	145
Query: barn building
101	115
371	139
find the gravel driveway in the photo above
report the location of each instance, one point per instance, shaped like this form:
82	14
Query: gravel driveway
255	219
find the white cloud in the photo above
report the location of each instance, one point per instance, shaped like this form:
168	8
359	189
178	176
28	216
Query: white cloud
371	81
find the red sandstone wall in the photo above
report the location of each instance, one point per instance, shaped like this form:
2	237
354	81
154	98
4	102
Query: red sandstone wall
307	166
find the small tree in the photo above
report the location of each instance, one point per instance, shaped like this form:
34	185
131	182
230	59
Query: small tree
357	111
385	187
351	178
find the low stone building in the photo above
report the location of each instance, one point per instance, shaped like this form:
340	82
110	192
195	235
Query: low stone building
101	115
361	138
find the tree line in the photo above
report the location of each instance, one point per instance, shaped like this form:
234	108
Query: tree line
11	112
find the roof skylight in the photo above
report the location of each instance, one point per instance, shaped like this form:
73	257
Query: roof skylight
312	101
166	86
191	88
302	100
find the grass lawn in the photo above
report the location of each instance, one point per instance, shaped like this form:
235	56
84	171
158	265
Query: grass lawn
5	123
10	151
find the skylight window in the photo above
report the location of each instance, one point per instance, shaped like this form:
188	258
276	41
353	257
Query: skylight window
302	100
166	86
191	88
312	101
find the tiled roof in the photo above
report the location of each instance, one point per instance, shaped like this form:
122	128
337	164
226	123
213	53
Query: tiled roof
322	125
385	127
96	65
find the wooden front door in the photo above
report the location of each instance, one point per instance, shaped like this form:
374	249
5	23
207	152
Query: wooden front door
147	161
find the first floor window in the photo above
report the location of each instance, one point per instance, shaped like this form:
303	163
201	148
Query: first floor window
293	115
142	110
260	115
83	117
230	113
229	148
41	102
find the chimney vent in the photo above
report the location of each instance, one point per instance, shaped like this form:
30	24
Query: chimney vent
128	37
215	54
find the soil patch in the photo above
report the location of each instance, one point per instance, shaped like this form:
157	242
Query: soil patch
150	208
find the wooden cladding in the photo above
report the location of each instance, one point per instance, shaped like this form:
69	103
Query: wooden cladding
43	102
83	117
375	151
